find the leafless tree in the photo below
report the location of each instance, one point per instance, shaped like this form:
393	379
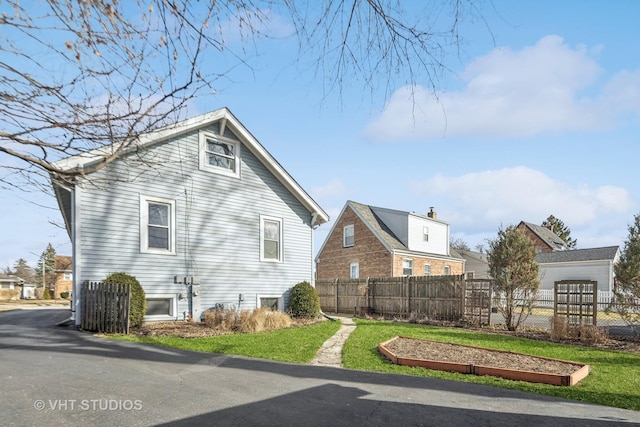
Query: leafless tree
80	75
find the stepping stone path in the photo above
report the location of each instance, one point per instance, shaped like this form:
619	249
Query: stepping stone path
330	354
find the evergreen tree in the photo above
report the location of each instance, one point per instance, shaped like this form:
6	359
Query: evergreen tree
627	272
513	267
561	230
23	271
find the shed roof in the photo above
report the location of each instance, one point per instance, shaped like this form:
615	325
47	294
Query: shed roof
607	253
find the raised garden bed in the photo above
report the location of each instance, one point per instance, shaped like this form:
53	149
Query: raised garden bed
482	361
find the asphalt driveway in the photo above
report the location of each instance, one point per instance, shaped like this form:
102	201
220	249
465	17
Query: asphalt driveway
51	375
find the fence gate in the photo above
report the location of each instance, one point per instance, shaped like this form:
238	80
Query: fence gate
477	301
576	300
105	307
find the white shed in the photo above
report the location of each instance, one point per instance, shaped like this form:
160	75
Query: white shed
579	264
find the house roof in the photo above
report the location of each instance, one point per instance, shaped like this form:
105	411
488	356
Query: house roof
608	253
62	263
10	278
547	236
84	160
370	216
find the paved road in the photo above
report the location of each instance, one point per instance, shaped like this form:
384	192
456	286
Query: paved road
58	376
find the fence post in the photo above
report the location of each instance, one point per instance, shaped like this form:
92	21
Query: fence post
336	283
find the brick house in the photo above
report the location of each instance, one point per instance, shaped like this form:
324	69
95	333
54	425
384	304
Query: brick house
544	239
64	274
368	241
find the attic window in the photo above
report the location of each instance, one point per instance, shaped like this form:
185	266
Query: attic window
219	154
348	237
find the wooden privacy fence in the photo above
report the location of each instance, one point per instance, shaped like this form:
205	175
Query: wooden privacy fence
436	297
105	307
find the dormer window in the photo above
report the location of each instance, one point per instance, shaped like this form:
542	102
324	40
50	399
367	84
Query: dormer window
219	154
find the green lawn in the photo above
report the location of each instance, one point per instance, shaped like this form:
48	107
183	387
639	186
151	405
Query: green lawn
296	345
614	379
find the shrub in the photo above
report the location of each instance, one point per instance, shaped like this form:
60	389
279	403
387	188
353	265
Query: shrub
9	294
138	303
304	301
47	294
64	294
245	321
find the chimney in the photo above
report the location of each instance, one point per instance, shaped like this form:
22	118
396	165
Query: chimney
432	214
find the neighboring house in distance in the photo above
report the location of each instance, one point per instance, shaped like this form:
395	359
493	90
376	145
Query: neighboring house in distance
10	286
368	241
63	268
199	212
544	239
579	264
476	264
10	281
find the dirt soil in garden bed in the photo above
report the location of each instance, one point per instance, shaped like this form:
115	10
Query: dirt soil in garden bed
438	351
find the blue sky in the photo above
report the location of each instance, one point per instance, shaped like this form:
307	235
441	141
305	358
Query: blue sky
539	116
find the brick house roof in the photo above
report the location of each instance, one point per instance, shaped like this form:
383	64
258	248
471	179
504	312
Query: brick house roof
547	236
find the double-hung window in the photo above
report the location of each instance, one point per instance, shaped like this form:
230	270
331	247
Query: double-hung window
348	236
407	267
157	225
219	154
427	269
270	239
354	270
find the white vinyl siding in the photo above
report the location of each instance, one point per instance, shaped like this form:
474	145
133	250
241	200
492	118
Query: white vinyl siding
348	237
217	233
427	235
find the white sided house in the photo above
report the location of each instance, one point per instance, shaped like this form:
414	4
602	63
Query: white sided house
199	212
579	264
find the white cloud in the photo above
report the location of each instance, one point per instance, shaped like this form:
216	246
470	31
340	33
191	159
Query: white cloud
482	201
543	88
333	188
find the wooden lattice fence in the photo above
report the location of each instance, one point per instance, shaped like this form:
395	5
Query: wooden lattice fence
105	307
477	301
576	300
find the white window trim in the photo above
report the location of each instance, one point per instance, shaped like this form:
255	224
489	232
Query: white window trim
280	300
344	235
144	225
423	269
447	267
357	266
174	307
407	259
264	218
204	164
